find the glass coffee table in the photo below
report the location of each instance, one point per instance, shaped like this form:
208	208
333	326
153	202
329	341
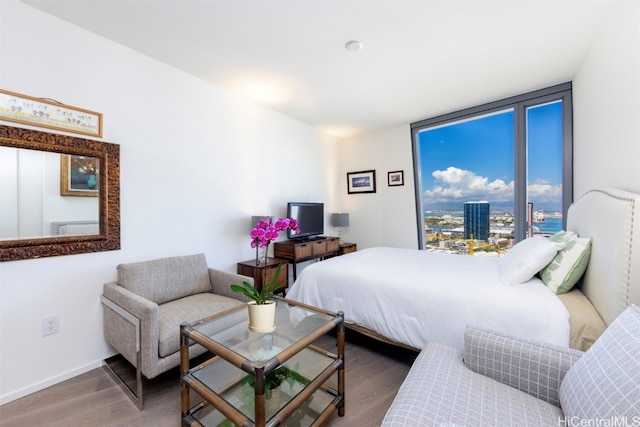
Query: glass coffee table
263	379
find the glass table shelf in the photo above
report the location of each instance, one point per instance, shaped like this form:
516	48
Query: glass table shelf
263	379
320	401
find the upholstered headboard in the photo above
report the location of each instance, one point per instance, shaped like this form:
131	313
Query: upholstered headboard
610	218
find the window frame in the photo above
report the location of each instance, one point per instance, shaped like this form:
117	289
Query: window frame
519	104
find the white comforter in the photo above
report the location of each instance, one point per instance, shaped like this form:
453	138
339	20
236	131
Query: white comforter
415	297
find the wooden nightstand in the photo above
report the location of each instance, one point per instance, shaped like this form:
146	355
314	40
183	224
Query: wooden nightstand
264	273
347	248
297	251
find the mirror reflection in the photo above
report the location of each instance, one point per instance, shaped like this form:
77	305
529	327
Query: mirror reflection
49	203
47	194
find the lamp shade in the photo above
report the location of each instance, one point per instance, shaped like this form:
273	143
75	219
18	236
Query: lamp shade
340	219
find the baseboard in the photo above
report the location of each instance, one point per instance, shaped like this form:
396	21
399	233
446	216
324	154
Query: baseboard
10	397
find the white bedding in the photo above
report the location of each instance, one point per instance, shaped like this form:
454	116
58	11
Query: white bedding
415	297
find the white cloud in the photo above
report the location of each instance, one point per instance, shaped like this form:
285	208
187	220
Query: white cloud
456	184
459	185
543	192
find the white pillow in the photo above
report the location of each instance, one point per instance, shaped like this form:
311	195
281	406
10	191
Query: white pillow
527	258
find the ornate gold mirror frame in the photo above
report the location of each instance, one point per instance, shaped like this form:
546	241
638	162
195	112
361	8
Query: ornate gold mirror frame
109	195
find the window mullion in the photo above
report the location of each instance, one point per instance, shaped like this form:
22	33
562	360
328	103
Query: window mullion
567	155
520	162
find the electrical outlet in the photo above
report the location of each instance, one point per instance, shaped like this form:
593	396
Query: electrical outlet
50	325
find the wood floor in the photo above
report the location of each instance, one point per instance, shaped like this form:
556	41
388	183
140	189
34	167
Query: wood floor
374	372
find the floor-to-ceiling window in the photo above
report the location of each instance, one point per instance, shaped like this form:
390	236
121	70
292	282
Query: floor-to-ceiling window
510	158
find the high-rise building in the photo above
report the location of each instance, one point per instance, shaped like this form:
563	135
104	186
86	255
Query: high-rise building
476	220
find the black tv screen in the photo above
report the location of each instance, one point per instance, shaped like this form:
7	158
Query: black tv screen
310	218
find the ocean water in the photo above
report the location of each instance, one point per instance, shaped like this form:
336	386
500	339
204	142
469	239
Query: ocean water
550	225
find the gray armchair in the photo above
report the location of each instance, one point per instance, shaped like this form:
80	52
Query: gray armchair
504	380
144	308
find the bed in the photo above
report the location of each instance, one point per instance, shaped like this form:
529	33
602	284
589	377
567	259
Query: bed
411	297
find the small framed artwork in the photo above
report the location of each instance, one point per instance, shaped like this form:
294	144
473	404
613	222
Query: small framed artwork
79	175
18	108
395	178
361	182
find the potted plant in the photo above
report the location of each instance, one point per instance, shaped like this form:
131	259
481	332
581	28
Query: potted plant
262	309
266	231
273	381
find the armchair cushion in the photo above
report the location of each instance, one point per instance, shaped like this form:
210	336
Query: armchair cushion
605	383
531	366
166	279
188	309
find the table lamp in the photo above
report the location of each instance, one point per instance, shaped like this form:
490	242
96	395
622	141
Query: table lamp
340	221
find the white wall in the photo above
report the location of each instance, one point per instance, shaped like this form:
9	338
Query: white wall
606	106
606	111
196	163
388	216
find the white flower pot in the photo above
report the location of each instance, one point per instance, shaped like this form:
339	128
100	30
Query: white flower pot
262	317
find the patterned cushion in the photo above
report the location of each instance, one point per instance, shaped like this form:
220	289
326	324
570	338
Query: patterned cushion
604	384
440	391
166	279
569	264
527	258
531	366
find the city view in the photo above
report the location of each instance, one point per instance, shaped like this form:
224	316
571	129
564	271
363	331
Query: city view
445	231
468	180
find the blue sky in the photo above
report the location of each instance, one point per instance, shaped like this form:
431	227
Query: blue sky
474	160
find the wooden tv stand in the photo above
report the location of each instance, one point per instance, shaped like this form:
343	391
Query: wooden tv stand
296	251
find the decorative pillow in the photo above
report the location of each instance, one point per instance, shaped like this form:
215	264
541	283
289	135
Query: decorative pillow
562	236
527	258
569	264
604	384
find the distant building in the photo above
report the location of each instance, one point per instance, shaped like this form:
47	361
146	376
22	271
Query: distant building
476	220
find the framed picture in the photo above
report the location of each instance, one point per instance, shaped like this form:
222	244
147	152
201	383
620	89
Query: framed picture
50	114
79	175
395	178
361	182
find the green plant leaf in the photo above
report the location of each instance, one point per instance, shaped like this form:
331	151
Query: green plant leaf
246	289
252	293
272	285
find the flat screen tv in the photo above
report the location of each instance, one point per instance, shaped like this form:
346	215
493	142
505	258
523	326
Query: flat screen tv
310	218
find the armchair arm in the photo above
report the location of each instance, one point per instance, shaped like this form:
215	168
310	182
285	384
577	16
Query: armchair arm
121	333
531	366
221	282
133	303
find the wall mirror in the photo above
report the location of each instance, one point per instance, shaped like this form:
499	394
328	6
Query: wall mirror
59	195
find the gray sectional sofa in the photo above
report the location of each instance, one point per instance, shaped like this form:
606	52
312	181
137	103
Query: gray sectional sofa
504	380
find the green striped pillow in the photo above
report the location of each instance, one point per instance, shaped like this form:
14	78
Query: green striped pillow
569	264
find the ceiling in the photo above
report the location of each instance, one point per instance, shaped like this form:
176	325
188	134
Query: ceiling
419	58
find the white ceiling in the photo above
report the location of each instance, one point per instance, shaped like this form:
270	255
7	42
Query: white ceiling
420	58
